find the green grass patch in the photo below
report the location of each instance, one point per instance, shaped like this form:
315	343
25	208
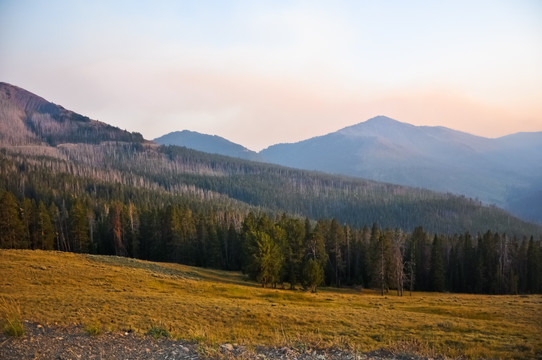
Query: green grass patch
158	332
93	328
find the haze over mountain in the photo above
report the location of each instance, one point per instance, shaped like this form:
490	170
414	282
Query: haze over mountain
52	153
207	143
506	171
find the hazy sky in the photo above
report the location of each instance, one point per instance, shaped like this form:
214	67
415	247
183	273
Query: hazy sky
262	72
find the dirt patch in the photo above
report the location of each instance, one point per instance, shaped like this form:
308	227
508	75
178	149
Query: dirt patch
53	342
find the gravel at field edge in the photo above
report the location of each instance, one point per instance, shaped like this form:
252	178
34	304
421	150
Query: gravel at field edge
63	343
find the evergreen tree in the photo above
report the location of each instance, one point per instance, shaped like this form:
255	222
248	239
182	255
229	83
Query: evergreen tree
360	241
373	256
28	214
534	267
315	258
423	259
150	238
411	263
267	260
467	282
79	230
453	272
59	239
438	279
522	266
397	260
232	249
11	227
115	220
384	262
44	229
293	255
313	274
130	229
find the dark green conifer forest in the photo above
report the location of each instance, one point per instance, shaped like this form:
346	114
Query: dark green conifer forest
275	249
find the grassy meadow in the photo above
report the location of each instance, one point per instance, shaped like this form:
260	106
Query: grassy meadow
211	307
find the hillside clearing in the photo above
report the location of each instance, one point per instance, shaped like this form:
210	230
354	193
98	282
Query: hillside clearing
213	307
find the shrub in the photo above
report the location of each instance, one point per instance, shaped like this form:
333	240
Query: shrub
158	332
93	329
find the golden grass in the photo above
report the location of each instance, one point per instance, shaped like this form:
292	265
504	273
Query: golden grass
212	307
10	318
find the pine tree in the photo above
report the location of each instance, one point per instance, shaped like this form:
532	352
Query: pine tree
384	262
172	233
28	214
267	260
130	229
438	279
315	258
373	257
115	219
59	238
11	227
293	251
232	250
411	263
336	241
313	274
44	229
534	267
397	260
79	230
468	266
423	259
149	235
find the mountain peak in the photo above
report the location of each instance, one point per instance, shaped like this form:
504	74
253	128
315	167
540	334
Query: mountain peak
382	119
375	126
213	144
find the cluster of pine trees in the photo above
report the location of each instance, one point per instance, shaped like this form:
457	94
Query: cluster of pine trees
275	250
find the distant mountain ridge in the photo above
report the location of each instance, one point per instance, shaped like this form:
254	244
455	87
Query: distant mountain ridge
500	171
505	171
207	143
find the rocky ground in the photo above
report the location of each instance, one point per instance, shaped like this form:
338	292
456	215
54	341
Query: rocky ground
51	342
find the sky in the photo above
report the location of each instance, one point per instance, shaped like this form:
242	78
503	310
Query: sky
266	72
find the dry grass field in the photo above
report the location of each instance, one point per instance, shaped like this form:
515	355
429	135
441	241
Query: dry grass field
212	307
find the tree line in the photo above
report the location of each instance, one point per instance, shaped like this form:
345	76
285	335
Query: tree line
275	250
76	168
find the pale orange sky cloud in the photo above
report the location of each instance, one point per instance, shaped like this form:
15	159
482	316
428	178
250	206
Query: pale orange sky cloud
261	73
285	110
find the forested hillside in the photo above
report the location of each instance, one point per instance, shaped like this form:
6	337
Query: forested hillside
74	184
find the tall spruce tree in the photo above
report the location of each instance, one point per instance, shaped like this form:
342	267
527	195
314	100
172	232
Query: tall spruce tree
294	230
11	227
315	258
79	230
45	233
267	260
438	277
